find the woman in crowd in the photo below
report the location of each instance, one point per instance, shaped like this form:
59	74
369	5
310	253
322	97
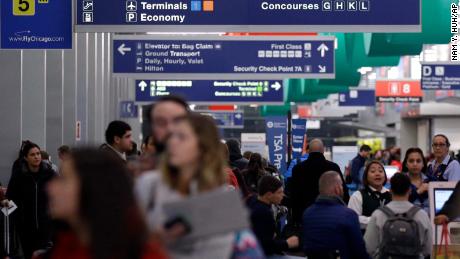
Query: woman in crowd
365	201
193	164
254	172
27	189
94	196
415	166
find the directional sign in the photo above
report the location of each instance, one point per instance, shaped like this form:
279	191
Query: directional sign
357	98
441	76
128	109
248	15
299	129
36	24
398	91
209	91
226	120
225	58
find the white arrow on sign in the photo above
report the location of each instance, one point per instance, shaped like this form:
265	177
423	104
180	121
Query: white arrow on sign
323	48
276	86
122	49
142	85
298	150
322	69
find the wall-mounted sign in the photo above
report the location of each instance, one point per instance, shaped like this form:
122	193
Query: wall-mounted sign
36	24
441	76
398	91
357	98
213	91
224	57
248	15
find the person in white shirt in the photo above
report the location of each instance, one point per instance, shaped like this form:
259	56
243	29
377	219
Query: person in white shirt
374	195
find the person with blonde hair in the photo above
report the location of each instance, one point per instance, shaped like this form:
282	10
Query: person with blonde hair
193	164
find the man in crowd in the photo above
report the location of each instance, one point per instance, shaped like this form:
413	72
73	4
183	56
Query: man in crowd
118	139
303	188
329	226
357	164
443	167
236	158
263	223
163	113
414	235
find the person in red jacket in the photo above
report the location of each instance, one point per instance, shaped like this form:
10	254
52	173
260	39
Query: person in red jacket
94	196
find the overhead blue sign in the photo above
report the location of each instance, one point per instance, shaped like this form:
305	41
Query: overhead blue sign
441	76
357	98
299	129
245	15
227	119
128	109
36	24
212	91
276	128
225	58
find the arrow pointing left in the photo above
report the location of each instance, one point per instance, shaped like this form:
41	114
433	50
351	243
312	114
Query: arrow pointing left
122	49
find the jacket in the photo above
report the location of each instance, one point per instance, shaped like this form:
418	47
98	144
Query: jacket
68	246
303	188
356	164
106	147
264	226
328	225
236	159
28	191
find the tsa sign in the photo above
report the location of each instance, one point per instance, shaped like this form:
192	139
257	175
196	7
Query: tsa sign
398	91
441	76
128	109
36	24
249	15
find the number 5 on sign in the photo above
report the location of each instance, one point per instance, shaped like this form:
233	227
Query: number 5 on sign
23	7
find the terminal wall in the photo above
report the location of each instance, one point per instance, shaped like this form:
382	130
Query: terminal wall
45	92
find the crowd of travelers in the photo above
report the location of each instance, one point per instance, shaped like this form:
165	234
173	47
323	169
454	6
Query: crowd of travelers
189	194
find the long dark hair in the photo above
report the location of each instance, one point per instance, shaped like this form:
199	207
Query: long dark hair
410	151
108	207
26	146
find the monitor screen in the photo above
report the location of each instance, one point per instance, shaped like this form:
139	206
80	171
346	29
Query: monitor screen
390	171
441	195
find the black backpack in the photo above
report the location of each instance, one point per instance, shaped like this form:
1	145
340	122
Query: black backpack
401	237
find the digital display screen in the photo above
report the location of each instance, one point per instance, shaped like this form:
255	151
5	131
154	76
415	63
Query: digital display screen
440	198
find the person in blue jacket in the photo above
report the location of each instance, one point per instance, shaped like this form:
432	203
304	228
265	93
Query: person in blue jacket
329	226
296	161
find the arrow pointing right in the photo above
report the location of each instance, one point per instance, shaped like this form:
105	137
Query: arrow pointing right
142	85
122	49
276	86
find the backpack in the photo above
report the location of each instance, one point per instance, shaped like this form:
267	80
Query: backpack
401	237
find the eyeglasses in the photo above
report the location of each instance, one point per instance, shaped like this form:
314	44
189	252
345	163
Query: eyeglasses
434	145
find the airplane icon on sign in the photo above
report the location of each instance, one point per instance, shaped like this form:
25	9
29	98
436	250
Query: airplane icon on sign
131	5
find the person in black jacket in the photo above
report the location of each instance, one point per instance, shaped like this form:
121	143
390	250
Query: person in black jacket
254	171
236	159
303	185
262	217
27	189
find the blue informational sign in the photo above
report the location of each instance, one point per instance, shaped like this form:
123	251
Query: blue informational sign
128	109
357	98
248	15
225	58
299	129
36	24
276	129
212	91
227	119
441	76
